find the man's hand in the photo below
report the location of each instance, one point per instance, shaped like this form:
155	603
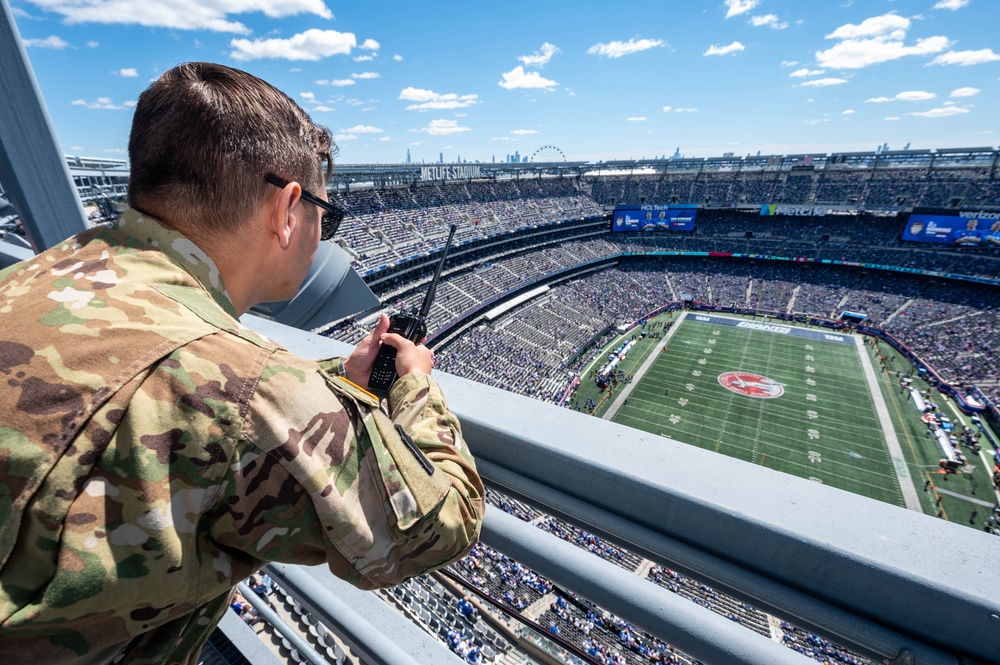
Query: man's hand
359	364
410	358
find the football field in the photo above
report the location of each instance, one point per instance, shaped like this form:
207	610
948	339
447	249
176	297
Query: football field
793	399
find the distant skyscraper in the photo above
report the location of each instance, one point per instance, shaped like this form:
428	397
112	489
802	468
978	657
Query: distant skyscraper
407	155
440	158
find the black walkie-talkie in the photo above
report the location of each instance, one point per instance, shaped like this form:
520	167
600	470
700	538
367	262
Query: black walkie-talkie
412	327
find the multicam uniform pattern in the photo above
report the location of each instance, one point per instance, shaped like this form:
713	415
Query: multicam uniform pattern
154	452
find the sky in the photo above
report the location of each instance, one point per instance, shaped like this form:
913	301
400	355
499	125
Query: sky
477	81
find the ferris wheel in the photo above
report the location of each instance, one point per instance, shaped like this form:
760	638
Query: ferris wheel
548	153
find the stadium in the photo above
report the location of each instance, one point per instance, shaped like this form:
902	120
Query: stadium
737	409
784	318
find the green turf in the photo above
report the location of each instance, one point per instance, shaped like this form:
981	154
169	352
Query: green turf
824	427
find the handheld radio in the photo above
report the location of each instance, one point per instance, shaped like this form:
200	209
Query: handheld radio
412	327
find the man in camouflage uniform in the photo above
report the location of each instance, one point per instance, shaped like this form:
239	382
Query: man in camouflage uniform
153	451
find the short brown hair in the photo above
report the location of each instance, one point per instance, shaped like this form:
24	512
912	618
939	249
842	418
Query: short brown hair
203	137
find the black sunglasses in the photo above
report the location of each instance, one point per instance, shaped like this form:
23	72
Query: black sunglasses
332	216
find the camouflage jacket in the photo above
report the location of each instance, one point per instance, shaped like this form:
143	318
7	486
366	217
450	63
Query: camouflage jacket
154	452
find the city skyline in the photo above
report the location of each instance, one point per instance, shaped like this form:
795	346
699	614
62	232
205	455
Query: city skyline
441	82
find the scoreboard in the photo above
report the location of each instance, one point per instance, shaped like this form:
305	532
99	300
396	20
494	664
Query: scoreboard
654	217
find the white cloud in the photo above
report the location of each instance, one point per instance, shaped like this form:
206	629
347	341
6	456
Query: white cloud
951	4
735	47
340	138
666	109
523	132
617	49
364	58
905	96
366	75
770	20
104	103
397	58
887	26
821	83
737	7
874	40
858	53
518	78
789	63
636	119
319	108
443	128
20	13
128	72
684	110
363	129
308	96
848	112
180	14
964	92
430	100
337	83
385	138
370	45
52	42
116	151
93	44
312	45
941	112
541	57
805	71
966	57
893	117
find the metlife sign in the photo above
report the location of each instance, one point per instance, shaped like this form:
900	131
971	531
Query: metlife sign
772	209
450	172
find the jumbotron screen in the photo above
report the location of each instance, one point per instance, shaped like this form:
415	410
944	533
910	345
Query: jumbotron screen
965	229
652	217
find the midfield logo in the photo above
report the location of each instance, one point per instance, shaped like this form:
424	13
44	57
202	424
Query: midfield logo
751	385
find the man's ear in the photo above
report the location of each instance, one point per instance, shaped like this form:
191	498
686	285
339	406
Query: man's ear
283	219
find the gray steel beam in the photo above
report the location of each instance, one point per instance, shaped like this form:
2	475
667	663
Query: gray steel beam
843	628
695	630
32	166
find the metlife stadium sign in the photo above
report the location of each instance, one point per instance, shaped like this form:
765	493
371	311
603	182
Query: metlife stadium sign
772	209
450	172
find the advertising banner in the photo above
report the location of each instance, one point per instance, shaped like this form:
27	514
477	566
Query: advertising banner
966	229
653	217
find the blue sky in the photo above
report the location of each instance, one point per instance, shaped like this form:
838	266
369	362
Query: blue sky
598	80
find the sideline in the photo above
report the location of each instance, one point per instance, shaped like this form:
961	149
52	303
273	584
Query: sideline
982	455
906	487
646	364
